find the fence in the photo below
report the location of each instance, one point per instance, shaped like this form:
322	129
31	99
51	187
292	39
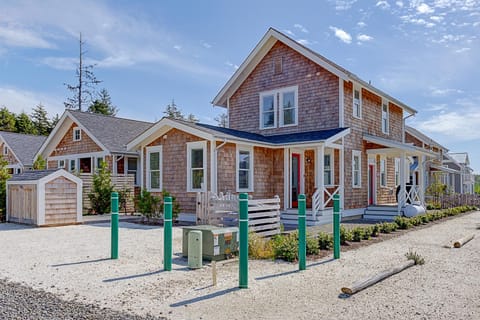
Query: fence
222	209
454	200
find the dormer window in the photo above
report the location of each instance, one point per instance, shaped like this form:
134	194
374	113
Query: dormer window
77	134
357	102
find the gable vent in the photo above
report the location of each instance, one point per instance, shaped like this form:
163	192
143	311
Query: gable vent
278	65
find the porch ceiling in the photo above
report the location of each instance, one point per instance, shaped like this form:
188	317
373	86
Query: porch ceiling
392	147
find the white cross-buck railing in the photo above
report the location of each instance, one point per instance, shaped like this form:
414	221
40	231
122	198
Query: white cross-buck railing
319	201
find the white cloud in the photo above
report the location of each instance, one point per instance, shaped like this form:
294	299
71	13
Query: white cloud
364	37
177	47
342	5
289	32
424	8
399	4
383	4
19	100
341	34
305	42
437	92
436	18
455	126
232	65
300	27
18	37
206	45
461	50
361	24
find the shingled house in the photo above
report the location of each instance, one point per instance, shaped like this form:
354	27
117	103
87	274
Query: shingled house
19	150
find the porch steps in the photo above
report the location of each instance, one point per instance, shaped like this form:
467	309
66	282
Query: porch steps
290	218
381	212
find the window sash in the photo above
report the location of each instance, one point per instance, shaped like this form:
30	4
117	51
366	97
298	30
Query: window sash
383	172
327	170
385	117
196	166
356	169
357	106
268	111
154	168
77	134
289	108
397	171
244	167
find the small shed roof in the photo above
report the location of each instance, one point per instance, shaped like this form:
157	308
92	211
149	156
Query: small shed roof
38	175
24	146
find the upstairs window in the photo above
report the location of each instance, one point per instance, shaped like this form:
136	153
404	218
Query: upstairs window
197	166
383	171
385	116
288	107
268	117
357	102
77	134
356	169
281	103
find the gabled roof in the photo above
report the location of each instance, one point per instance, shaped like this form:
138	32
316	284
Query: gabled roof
211	132
460	157
397	145
110	133
32	175
264	46
422	137
23	146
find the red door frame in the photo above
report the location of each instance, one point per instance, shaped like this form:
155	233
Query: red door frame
371	183
295	202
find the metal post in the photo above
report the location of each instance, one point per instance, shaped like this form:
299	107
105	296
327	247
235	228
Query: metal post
114	226
243	254
302	233
167	234
336	226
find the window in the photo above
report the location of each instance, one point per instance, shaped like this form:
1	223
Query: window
85	165
356	169
154	168
357	102
98	162
61	164
385	116
196	166
383	171
288	111
283	101
397	171
244	169
77	134
5	150
328	169
73	165
132	168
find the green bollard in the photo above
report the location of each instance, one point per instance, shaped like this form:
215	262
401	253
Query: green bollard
243	254
336	226
302	233
167	234
114	226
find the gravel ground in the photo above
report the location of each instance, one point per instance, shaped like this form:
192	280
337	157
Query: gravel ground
72	263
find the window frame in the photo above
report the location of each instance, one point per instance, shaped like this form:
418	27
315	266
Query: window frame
150	150
5	150
359	89
75	166
281	108
192	146
329	153
59	165
357	153
385	117
383	172
251	168
75	130
275	104
397	171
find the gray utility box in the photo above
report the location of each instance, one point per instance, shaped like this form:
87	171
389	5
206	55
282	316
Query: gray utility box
218	243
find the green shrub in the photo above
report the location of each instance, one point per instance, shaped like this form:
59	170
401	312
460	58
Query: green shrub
413	255
367	232
312	245
148	205
325	241
345	235
357	234
375	231
259	248
387	227
285	247
403	223
102	188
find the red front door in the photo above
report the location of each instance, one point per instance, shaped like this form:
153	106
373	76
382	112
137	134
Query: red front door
295	179
371	183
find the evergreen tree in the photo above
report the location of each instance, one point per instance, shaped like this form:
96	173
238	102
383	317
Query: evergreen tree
101	190
173	112
7	120
40	163
192	118
103	104
222	120
40	120
24	124
4	176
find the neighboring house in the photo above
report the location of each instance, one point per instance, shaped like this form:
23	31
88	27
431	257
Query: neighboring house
19	150
460	161
298	123
81	140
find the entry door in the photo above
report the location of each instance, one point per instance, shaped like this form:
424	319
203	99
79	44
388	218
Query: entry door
295	179
371	183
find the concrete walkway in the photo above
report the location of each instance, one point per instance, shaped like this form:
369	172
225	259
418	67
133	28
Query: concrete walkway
102	218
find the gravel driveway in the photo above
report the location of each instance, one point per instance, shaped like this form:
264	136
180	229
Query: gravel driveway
72	263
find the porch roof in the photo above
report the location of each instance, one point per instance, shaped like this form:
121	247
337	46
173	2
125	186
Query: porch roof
392	146
444	169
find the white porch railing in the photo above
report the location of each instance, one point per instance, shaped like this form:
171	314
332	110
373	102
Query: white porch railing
319	201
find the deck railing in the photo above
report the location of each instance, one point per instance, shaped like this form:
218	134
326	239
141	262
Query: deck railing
321	198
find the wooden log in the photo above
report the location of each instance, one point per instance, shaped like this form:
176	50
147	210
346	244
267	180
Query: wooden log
362	284
459	243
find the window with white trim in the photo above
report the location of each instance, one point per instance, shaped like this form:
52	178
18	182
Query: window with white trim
244	169
77	134
385	116
283	101
397	171
73	165
98	162
288	107
383	171
5	150
196	166
357	102
328	168
356	169
154	168
268	114
61	164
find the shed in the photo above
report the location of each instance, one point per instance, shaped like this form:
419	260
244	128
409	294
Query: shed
44	198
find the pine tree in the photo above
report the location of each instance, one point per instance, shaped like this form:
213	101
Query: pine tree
7	120
24	124
173	112
4	176
53	123
222	120
40	120
103	104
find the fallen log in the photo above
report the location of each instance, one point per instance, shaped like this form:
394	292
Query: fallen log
461	242
362	284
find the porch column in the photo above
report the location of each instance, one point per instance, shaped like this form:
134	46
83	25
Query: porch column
401	194
320	174
421	180
286	178
213	167
141	168
342	177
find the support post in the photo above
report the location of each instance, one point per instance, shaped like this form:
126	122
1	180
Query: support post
302	233
336	226
243	254
167	234
114	226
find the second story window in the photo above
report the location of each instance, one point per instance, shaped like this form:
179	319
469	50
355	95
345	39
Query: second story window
385	116
357	102
288	107
356	169
77	134
268	111
5	150
281	103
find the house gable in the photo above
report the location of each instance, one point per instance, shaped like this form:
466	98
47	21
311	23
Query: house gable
10	156
67	145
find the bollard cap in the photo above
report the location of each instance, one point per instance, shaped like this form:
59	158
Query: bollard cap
301	197
243	196
167	199
114	194
336	196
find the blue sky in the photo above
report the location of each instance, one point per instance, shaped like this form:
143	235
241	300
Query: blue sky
424	53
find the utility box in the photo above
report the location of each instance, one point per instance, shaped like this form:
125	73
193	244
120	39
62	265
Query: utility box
195	249
218	243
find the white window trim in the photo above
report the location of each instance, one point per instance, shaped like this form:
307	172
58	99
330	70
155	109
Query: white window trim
356	153
75	129
397	171
75	161
383	160
332	167
387	116
250	170
359	89
280	104
160	160
5	150
190	147
59	163
275	109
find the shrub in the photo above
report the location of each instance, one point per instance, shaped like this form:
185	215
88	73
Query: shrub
175	204
388	227
123	197
4	176
285	247
101	190
367	232
148	205
259	248
357	234
413	255
345	235
375	231
312	245
403	223
325	241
